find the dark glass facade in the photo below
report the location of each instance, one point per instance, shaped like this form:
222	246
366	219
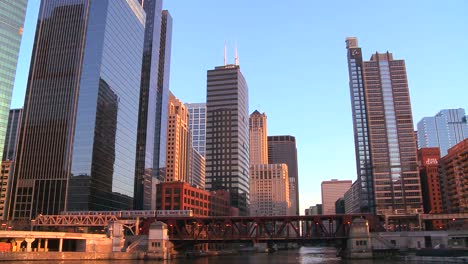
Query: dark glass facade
227	135
12	13
11	138
154	94
78	137
282	149
365	178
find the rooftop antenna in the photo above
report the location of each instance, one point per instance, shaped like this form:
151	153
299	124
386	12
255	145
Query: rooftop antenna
225	53
236	59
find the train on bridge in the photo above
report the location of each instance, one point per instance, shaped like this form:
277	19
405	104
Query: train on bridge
135	213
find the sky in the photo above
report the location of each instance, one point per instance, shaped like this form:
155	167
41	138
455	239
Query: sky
293	57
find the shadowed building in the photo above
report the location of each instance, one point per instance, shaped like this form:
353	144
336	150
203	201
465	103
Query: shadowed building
282	149
12	15
385	144
332	191
154	95
227	135
78	137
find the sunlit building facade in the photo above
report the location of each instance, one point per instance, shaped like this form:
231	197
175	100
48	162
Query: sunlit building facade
269	190
258	138
197	124
332	191
178	142
386	157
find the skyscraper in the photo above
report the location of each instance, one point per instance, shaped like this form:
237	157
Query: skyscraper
258	138
11	138
78	137
282	149
443	130
197	124
12	15
332	191
178	142
227	134
154	93
386	159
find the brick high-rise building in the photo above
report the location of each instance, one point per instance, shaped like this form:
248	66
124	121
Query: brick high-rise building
227	135
178	150
282	149
428	160
386	157
332	191
454	178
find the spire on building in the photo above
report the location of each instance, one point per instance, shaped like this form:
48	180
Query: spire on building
225	53
236	59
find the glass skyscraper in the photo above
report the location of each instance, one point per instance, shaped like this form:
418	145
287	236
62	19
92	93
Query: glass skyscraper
443	130
78	137
12	13
386	158
197	124
154	95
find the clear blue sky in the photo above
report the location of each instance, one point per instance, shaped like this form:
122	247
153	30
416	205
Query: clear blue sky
293	56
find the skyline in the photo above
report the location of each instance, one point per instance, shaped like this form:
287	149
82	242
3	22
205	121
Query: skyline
429	38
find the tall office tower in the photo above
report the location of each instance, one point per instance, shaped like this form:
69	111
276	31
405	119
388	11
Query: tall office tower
269	190
227	135
154	95
351	197
258	138
197	124
12	15
11	138
453	169
282	149
386	157
331	191
197	169
178	142
78	136
443	130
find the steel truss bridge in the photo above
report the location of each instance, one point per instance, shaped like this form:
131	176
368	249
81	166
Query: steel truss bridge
241	228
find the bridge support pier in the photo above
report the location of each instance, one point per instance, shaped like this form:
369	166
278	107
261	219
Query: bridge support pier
29	241
60	245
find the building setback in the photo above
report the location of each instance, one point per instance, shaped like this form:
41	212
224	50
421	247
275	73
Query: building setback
332	191
269	190
78	138
197	124
179	147
227	135
282	149
386	158
443	130
154	95
453	169
12	15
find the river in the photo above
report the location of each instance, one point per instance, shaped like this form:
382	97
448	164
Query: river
304	255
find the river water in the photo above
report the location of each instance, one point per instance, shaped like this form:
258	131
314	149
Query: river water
304	255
